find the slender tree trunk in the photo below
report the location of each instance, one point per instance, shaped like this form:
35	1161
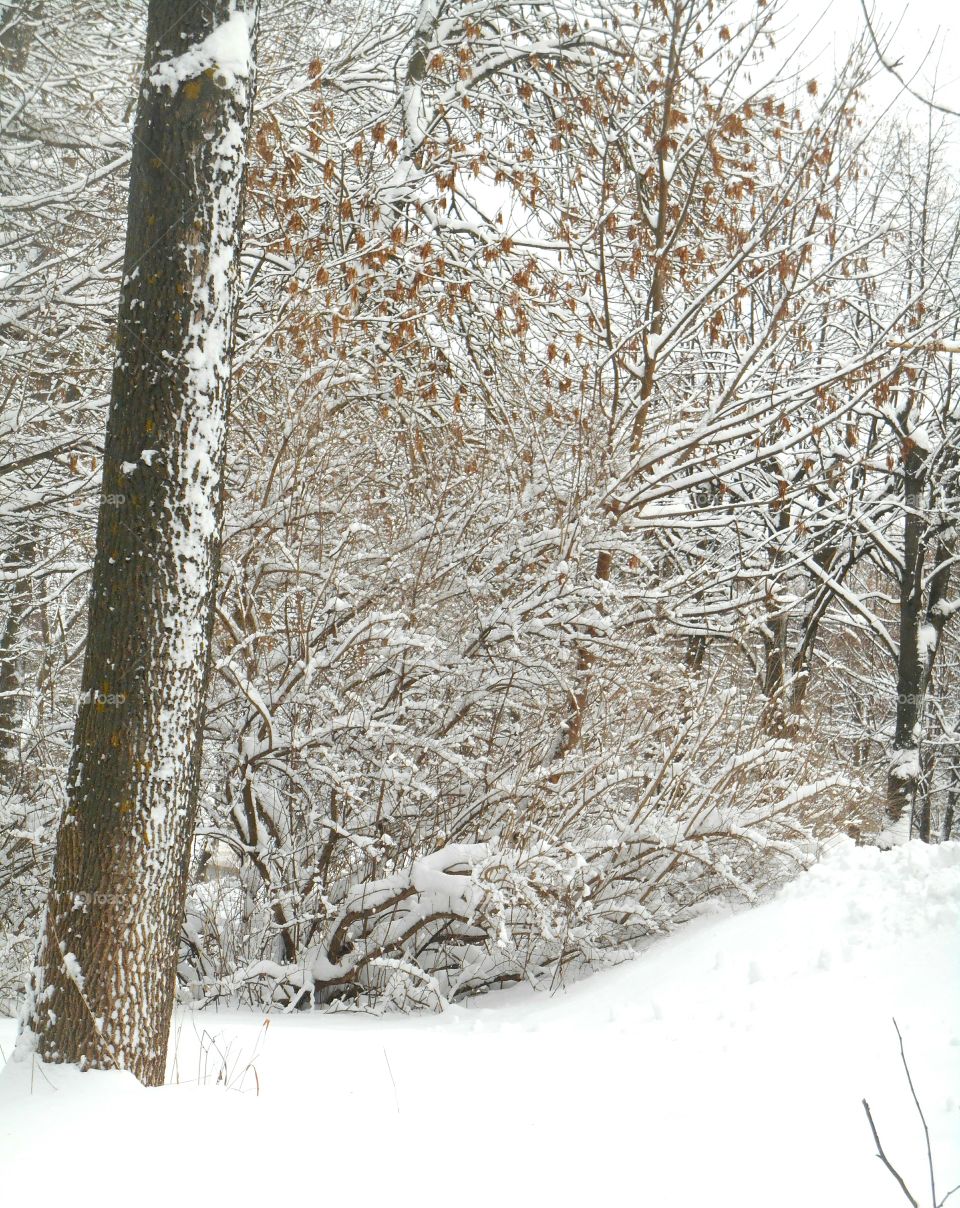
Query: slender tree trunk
774	717
102	989
904	773
17	31
925	790
10	688
571	729
924	611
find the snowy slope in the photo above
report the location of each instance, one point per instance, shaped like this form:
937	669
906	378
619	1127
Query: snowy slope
725	1066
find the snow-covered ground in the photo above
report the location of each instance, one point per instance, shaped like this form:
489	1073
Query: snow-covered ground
724	1066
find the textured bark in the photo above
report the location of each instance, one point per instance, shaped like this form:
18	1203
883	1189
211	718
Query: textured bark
924	611
103	985
905	760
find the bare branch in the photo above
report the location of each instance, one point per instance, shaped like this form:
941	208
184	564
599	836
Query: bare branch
893	68
923	1120
883	1157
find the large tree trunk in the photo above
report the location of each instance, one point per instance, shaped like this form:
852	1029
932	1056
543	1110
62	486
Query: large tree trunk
103	985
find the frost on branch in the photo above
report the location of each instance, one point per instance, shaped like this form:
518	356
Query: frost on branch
566	500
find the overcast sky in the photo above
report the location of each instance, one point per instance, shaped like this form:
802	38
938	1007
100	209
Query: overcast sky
925	34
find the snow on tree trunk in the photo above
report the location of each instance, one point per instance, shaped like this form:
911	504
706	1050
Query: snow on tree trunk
9	656
924	611
904	769
102	989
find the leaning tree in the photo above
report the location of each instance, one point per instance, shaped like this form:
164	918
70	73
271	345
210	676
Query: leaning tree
102	987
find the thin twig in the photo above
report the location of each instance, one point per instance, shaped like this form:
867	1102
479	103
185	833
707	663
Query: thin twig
892	68
396	1098
923	1120
883	1157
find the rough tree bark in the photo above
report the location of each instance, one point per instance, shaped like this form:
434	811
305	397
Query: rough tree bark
924	610
904	771
102	988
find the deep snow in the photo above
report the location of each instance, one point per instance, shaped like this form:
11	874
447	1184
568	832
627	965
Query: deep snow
724	1066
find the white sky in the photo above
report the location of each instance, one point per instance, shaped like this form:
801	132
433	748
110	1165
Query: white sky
925	34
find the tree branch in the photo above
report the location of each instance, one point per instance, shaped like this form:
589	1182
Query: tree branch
892	68
883	1157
